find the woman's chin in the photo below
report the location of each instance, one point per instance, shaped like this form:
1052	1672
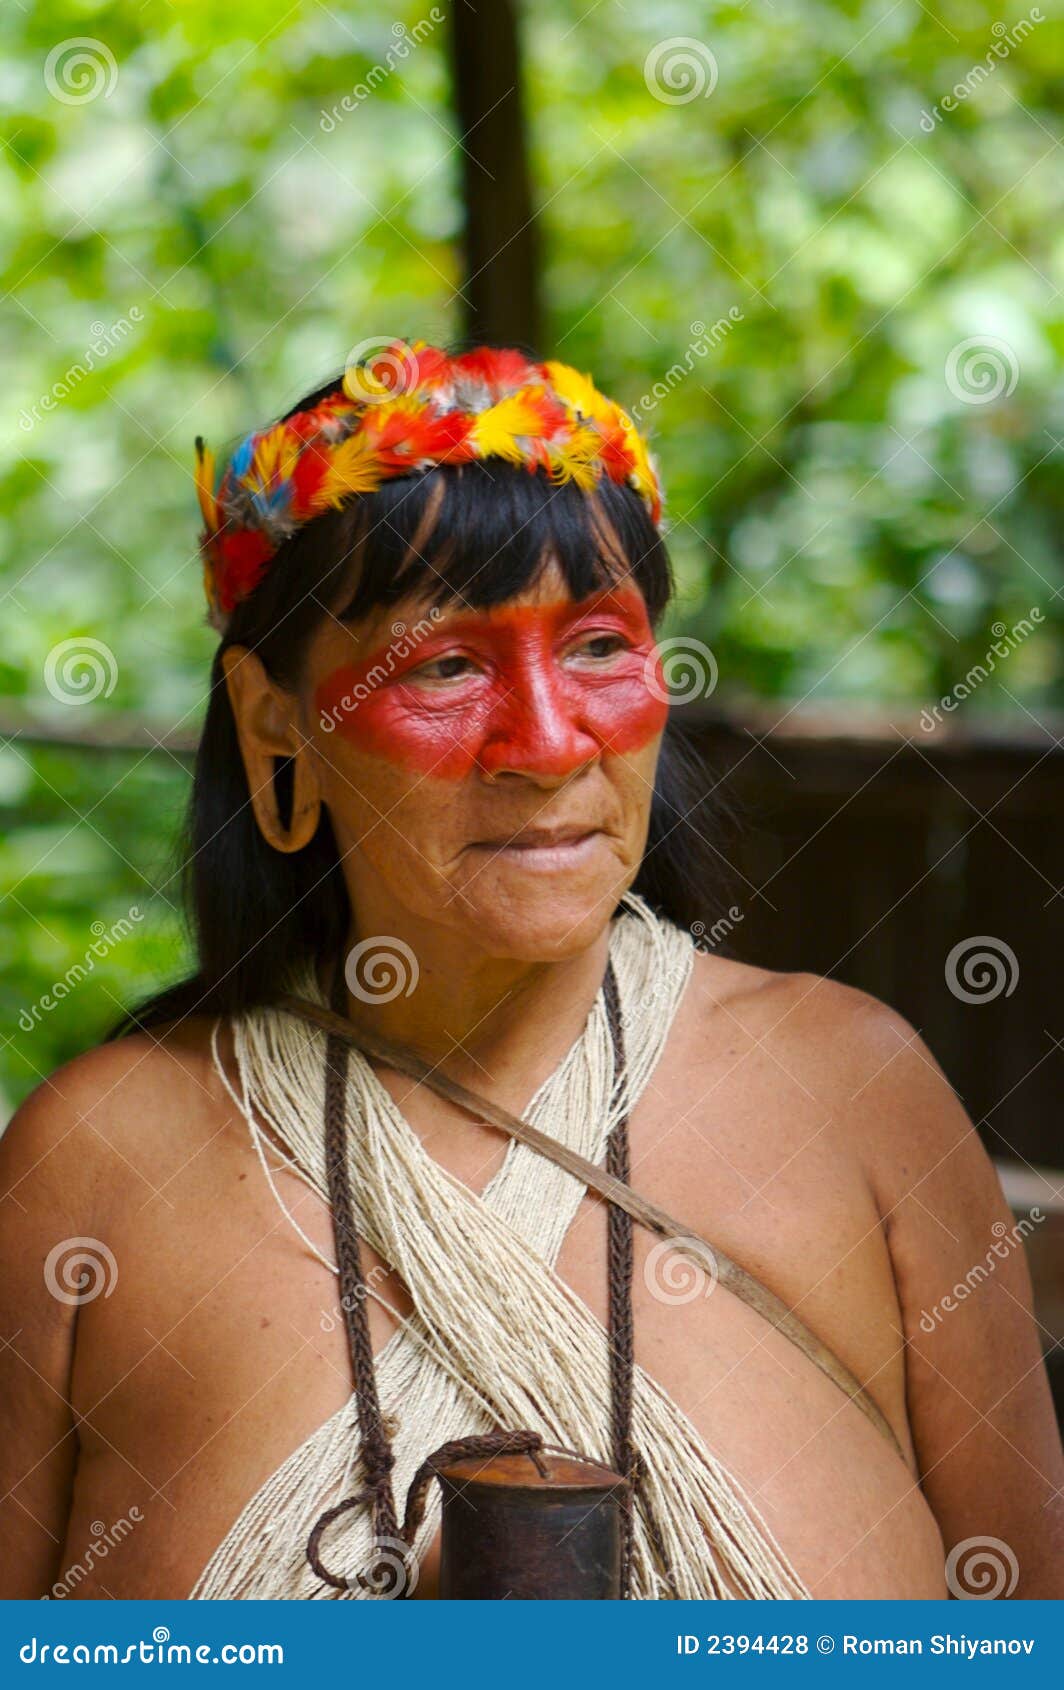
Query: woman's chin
545	921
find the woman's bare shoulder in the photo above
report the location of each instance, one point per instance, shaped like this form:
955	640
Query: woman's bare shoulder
853	1053
125	1111
850	1063
791	1002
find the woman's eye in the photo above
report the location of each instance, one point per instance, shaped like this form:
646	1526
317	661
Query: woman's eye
600	645
451	668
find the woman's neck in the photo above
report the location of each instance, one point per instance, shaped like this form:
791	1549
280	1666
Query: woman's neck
485	1020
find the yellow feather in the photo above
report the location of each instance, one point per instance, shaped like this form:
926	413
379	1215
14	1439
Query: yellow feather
642	475
352	469
205	485
274	458
362	387
495	430
403	405
577	390
577	459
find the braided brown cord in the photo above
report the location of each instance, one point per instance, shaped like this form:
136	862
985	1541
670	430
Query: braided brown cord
378	1458
619	1268
325	1520
626	1459
458	1449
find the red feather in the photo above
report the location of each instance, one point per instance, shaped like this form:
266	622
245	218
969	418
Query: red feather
312	466
245	554
501	367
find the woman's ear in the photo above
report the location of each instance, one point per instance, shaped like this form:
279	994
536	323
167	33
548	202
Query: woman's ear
267	727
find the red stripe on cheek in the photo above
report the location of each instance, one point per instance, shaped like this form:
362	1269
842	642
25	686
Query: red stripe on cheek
632	714
385	722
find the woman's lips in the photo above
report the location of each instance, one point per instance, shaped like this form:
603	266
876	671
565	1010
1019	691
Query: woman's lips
544	848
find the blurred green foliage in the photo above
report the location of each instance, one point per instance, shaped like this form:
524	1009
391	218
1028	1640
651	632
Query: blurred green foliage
861	443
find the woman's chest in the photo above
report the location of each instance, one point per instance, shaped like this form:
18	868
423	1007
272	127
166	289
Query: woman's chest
229	1351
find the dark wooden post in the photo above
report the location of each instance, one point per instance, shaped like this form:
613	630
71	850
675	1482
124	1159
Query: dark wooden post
500	285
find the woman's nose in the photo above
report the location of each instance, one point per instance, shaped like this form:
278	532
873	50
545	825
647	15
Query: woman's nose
539	729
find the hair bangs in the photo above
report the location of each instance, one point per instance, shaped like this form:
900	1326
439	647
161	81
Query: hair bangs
479	534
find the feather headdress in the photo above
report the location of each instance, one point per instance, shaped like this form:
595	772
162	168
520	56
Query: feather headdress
407	409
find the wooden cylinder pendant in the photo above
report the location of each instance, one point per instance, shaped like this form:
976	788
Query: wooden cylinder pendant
511	1533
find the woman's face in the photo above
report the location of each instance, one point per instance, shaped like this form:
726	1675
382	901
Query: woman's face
490	771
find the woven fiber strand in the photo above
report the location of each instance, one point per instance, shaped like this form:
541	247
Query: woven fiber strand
497	1338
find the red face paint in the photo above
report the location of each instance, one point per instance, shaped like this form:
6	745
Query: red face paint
520	687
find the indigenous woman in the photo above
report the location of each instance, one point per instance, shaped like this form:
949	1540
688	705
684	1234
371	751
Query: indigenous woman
438	794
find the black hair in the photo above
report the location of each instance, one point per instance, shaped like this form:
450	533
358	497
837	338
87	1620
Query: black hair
254	912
